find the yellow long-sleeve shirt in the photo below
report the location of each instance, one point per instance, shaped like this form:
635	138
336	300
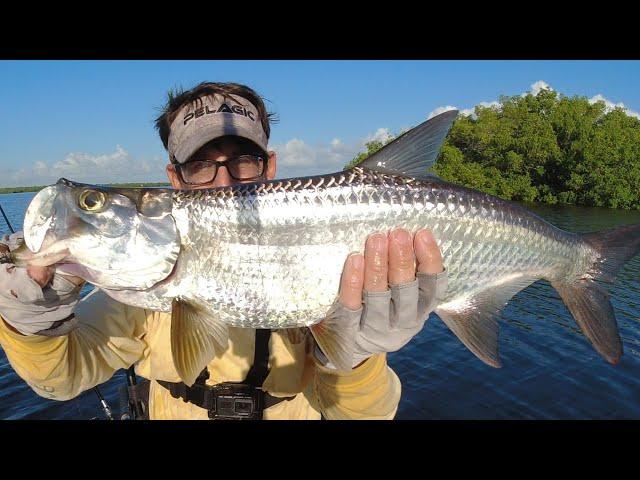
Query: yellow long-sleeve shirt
111	336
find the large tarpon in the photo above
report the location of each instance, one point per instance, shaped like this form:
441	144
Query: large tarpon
270	254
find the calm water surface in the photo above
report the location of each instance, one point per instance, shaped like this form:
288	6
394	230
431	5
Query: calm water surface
550	371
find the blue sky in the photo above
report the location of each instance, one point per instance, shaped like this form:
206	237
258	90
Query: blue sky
92	121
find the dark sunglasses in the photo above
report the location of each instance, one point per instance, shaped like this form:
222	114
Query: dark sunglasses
243	167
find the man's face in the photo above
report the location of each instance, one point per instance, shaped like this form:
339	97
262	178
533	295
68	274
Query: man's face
221	150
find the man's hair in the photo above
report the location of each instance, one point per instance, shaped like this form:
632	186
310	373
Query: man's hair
179	97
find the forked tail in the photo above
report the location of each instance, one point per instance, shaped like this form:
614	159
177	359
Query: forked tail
589	302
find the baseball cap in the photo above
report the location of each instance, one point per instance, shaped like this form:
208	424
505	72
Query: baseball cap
211	117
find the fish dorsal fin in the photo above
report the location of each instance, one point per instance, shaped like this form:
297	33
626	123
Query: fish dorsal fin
415	151
196	336
476	323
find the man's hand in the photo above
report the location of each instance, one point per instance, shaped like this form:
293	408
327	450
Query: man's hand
381	293
35	299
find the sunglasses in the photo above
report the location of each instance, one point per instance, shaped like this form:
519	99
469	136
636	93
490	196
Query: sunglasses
243	167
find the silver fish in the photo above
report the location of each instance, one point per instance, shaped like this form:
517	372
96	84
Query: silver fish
270	254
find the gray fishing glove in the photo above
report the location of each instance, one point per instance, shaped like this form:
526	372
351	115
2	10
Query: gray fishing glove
388	320
31	309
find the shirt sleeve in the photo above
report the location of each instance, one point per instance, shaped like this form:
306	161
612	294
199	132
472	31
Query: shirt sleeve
370	391
109	337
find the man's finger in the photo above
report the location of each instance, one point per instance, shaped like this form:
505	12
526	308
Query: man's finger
427	253
352	281
42	275
376	263
402	268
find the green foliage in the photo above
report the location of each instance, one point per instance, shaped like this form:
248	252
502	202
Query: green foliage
547	148
21	189
121	185
372	147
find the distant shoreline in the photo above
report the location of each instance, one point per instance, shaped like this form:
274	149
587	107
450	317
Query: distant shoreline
37	188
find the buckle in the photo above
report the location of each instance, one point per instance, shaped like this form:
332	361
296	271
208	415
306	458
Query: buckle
236	401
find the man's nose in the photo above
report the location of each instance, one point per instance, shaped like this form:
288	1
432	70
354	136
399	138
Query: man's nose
223	179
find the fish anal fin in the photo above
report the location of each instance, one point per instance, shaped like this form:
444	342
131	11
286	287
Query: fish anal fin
476	322
477	330
196	336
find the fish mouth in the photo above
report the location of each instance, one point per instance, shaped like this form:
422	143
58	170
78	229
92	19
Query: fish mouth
50	253
41	247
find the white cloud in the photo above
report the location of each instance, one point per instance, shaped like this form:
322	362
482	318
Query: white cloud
114	167
471	111
440	110
540	85
295	153
537	87
381	135
495	103
297	158
609	105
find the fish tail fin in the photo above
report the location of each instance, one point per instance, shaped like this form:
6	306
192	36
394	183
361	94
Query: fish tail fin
615	247
589	302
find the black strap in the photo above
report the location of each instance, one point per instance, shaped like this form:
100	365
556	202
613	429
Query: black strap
204	396
260	369
203	377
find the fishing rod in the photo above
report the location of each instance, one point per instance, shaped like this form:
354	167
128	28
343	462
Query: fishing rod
7	220
103	402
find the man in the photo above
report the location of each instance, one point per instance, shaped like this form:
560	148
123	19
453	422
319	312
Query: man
216	135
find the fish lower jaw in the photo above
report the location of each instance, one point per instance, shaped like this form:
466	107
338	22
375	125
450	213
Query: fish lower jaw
23	257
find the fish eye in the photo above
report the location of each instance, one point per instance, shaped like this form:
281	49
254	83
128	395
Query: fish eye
92	200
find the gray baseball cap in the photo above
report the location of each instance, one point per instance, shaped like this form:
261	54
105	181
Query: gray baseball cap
212	117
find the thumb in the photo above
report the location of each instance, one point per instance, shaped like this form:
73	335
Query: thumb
42	275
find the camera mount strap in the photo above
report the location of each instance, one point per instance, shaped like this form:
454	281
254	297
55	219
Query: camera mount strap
233	400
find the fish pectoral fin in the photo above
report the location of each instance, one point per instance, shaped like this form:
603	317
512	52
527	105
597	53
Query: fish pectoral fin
477	324
336	337
415	151
196	336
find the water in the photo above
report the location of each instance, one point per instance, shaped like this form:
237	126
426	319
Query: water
550	371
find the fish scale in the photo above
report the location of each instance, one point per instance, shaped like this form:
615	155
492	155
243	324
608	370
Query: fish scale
273	252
